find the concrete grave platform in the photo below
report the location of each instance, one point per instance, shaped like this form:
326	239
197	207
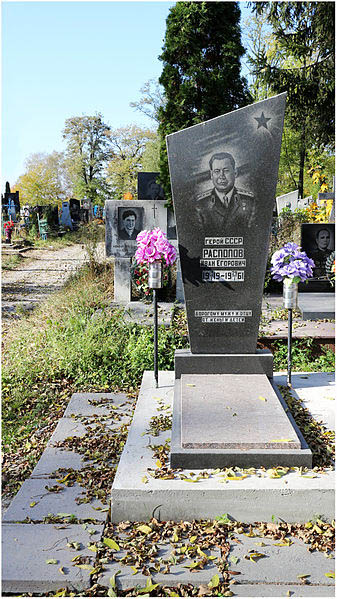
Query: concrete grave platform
279	566
314	306
34	491
273	575
80	405
26	547
178	573
53	458
70	427
136	495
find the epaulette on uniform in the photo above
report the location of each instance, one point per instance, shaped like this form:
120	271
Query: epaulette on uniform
204	194
244	192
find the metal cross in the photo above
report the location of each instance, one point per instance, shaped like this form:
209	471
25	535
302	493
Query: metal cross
154	208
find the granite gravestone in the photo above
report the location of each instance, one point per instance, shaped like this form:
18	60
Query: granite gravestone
10	203
303	203
223	242
124	220
65	218
223	178
318	241
288	200
148	188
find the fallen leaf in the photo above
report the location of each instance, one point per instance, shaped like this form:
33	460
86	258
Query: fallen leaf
254	555
145	529
135	571
285	543
329	574
111	544
281	440
193	565
303	575
149	587
33	503
262	398
52	561
214	582
83	566
61	570
92	548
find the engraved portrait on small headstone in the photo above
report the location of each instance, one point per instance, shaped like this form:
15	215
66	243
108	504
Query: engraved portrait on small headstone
318	241
130	222
125	219
148	186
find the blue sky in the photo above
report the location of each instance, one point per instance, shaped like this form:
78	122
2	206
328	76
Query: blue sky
63	59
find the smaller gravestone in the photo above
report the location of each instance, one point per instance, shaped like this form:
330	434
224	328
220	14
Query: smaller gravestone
65	218
303	203
124	220
148	188
318	241
74	209
323	197
10	203
171	225
287	200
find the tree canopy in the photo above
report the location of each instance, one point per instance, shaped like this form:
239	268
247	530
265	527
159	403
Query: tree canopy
128	145
201	68
302	64
45	180
88	150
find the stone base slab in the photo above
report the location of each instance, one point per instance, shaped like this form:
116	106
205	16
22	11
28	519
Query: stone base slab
136	495
249	432
259	363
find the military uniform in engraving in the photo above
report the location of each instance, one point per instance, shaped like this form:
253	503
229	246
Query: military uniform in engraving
225	207
216	218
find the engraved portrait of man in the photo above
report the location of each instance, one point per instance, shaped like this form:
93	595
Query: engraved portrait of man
225	205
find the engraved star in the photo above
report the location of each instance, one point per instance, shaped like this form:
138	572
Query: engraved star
262	121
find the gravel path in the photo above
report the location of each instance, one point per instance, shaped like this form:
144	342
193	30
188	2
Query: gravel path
41	272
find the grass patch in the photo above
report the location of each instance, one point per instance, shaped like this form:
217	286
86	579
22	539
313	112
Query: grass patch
74	341
9	262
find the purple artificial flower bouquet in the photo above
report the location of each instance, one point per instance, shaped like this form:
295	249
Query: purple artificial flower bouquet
291	265
152	246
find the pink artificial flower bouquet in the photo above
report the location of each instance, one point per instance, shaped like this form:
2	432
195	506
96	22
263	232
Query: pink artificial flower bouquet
152	246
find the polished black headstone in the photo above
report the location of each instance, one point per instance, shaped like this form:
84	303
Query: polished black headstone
223	241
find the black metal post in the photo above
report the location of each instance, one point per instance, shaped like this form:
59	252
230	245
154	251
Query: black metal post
290	326
155	316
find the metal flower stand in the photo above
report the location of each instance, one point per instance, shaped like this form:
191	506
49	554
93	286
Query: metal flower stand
290	293
155	282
